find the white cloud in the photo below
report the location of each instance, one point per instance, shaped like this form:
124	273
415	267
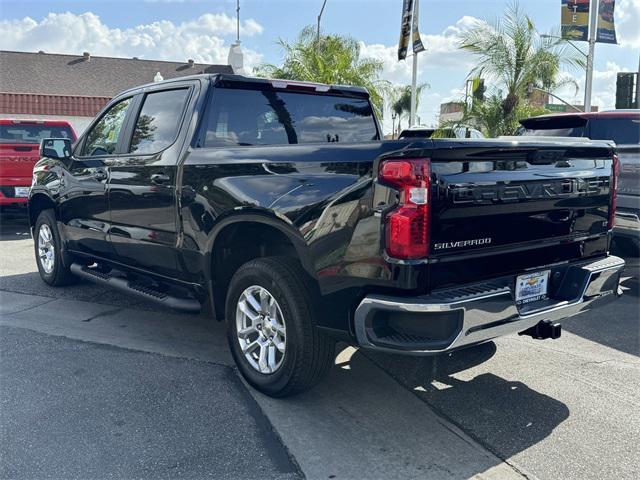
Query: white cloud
441	51
627	23
200	39
443	65
604	87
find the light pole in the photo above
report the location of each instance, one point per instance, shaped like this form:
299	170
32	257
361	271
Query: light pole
319	18
588	86
532	87
393	126
544	35
589	71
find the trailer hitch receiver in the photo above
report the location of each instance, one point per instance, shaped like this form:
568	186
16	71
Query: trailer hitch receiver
543	330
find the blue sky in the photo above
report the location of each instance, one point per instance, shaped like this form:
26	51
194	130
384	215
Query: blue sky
181	29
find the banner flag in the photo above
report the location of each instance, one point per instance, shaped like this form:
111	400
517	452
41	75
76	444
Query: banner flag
575	20
415	36
606	26
405	29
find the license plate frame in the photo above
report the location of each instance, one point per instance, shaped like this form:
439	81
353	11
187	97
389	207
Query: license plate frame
532	287
21	192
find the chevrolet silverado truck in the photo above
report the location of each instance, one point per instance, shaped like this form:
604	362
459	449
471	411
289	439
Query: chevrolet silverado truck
621	127
274	205
19	152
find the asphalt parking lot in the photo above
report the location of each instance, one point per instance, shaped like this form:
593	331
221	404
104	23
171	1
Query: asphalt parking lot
97	385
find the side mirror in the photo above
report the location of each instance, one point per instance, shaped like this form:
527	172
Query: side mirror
56	148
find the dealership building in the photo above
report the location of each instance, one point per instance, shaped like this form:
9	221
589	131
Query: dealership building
75	87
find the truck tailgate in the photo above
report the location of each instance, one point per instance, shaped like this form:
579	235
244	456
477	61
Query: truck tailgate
488	202
17	160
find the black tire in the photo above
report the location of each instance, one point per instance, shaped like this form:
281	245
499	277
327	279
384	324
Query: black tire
59	275
309	354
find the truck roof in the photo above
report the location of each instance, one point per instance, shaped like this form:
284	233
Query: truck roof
34	121
229	79
628	113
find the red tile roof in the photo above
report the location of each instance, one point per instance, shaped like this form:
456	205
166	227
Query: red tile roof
41	104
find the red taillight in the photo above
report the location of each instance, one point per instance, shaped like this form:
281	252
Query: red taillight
614	191
407	227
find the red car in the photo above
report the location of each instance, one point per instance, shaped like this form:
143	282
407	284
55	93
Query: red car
19	151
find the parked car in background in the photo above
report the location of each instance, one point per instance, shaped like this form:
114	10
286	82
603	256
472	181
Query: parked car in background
447	132
619	126
19	152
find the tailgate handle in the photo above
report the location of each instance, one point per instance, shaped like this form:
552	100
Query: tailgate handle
546	157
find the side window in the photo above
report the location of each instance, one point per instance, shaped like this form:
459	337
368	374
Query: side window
102	139
157	124
274	117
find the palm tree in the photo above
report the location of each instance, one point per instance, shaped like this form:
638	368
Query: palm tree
334	59
401	100
511	56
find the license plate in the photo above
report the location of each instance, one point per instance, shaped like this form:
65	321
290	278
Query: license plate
532	287
21	192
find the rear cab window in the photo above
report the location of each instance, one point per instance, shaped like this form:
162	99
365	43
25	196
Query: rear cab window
555	126
33	133
273	117
623	131
158	121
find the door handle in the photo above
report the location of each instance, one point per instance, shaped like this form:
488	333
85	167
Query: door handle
160	178
100	175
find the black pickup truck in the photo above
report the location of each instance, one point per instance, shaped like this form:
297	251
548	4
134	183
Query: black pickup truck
276	206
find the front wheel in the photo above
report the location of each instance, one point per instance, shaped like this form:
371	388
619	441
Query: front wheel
48	249
271	328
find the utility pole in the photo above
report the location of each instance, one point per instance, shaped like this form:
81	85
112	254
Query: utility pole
319	18
593	25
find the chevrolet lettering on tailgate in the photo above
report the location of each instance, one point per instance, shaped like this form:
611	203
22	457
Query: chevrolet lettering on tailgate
509	192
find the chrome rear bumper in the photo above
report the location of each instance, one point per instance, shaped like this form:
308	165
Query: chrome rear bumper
455	318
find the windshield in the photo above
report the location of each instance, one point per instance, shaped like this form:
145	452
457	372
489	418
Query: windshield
554	132
623	131
554	126
422	133
25	133
270	117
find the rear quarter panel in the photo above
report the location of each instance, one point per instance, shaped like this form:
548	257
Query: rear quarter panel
320	195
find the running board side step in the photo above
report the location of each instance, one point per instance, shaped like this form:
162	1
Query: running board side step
187	305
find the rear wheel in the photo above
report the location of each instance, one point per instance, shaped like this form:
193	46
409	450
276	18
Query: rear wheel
271	327
48	251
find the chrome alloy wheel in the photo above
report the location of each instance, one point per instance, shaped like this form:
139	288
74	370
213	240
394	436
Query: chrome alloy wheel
261	329
46	248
